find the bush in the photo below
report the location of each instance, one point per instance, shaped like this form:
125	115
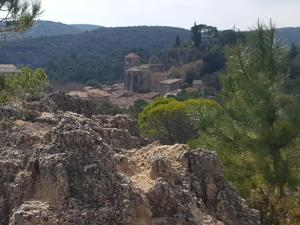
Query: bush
2	83
138	107
170	121
23	83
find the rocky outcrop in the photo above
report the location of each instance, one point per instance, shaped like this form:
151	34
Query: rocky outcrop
59	101
9	112
98	170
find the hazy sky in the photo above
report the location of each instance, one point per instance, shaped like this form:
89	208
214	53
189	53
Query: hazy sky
179	13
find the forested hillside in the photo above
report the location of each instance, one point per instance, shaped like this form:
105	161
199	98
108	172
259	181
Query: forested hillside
97	50
101	42
86	27
290	34
48	29
82	53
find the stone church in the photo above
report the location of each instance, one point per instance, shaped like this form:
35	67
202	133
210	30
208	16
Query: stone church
144	78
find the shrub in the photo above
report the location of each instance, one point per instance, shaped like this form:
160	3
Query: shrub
23	83
170	121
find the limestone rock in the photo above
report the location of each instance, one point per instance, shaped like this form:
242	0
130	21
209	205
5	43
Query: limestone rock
9	112
33	213
59	101
97	170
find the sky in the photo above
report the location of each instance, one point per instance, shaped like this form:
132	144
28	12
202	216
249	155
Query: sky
224	14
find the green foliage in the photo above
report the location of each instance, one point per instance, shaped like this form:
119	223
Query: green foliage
138	107
168	120
2	83
48	28
23	83
188	72
290	35
189	63
278	210
258	130
84	69
254	85
184	95
294	51
197	34
179	56
4	97
97	54
106	108
19	16
293	85
199	30
231	37
295	67
177	42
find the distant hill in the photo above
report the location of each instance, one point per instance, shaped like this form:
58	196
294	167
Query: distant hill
44	28
81	53
96	54
100	42
290	34
86	27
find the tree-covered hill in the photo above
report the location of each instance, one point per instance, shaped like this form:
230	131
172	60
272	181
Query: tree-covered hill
48	28
86	27
101	43
290	35
84	53
94	50
43	28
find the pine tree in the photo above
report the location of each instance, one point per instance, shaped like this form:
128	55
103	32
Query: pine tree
258	116
17	16
262	118
197	34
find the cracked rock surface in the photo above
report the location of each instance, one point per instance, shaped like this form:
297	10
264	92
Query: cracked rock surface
99	171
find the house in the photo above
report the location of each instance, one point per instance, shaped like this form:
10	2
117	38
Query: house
96	95
198	84
7	69
169	85
147	78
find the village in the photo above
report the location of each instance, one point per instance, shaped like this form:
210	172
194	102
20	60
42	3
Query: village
138	113
141	81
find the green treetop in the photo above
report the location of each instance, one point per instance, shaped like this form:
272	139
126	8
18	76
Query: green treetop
169	120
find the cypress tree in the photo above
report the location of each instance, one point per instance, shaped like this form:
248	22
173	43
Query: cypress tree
178	42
